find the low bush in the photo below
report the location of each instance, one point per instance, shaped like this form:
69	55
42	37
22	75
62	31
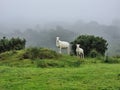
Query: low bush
39	53
94	53
11	44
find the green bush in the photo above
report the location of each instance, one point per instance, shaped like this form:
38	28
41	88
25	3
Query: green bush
11	44
40	53
31	53
90	42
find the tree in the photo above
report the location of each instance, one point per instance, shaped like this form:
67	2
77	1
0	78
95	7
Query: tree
90	43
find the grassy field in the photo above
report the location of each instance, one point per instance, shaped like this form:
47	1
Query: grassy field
64	73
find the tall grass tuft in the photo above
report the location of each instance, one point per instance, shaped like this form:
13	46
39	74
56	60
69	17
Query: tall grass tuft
111	59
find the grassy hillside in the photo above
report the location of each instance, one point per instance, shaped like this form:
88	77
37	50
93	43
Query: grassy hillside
61	73
87	77
22	58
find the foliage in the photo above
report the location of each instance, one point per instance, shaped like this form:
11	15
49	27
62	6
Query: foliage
39	53
11	44
94	53
90	43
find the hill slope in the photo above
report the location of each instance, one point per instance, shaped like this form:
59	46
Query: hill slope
63	73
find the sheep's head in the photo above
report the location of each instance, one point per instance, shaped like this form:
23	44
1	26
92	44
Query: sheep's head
77	45
57	38
57	41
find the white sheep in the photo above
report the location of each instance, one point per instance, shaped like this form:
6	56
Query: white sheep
79	51
62	45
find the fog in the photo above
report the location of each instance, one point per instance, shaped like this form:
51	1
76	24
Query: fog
39	11
46	19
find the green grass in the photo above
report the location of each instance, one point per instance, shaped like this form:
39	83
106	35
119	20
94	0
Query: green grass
86	77
14	59
63	73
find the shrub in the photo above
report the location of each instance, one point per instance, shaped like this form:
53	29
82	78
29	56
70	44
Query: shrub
40	53
31	53
90	42
11	44
94	53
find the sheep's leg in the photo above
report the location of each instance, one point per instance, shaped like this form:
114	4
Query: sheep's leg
77	53
60	50
68	49
80	55
83	55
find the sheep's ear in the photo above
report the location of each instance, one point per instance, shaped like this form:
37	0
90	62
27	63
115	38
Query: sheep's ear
78	44
57	37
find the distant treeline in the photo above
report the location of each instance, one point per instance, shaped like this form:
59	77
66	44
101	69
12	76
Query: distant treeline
11	44
45	36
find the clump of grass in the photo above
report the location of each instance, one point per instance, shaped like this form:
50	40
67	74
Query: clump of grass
7	54
112	59
47	63
63	61
117	56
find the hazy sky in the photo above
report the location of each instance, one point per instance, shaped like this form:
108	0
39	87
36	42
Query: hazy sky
103	11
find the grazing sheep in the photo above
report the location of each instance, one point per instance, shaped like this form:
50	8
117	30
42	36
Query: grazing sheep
79	51
62	45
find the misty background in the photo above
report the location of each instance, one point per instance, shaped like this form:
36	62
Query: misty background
40	21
